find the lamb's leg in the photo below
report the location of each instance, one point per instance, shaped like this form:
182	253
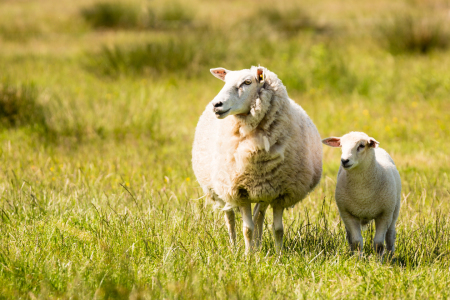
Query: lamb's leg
348	236
259	213
230	220
382	223
248	226
353	229
278	228
390	239
391	233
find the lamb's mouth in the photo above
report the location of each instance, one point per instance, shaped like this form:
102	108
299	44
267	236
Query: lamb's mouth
347	166
222	114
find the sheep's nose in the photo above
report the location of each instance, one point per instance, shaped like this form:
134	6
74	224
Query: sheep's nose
344	161
218	104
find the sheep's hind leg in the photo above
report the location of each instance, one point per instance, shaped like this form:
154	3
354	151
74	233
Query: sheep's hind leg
230	220
381	226
278	228
390	240
259	213
248	226
391	233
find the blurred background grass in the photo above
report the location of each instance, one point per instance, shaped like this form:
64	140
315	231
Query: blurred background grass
98	106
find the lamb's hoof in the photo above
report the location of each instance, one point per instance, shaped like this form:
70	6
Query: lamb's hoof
379	249
389	255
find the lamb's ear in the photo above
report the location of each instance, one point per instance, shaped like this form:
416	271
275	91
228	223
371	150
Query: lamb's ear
332	141
260	74
219	73
373	142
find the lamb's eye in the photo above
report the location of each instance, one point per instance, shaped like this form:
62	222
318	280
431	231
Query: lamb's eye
248	82
360	147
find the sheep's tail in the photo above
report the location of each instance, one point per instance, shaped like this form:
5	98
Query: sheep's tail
365	225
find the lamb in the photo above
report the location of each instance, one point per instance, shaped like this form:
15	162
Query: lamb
368	188
253	144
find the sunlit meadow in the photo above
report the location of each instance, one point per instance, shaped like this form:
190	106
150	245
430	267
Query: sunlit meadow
98	107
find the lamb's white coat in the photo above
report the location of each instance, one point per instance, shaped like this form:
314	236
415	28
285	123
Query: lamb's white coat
368	188
267	152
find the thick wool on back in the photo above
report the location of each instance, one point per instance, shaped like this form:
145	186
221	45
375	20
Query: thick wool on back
272	155
372	189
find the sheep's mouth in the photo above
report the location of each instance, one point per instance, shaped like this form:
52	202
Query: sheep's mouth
347	166
221	114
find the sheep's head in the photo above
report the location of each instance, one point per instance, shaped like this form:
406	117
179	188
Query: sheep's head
239	92
356	146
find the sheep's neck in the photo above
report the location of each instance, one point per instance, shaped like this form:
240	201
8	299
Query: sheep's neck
266	118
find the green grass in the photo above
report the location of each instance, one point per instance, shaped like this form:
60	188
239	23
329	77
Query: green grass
112	15
136	16
103	203
415	33
153	58
289	18
19	106
171	15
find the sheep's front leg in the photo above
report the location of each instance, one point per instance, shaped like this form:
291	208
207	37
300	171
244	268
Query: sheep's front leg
230	220
259	213
353	229
278	228
248	226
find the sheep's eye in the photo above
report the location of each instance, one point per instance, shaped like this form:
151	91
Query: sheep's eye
360	147
248	82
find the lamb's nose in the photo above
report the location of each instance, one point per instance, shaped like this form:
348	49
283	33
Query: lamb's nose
218	104
344	161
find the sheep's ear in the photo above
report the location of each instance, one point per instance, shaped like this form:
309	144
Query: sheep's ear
373	143
332	141
260	74
219	73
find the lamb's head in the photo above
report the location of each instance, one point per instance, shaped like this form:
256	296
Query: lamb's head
239	92
356	148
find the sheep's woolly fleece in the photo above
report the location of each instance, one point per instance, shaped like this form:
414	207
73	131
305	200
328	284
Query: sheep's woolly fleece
273	155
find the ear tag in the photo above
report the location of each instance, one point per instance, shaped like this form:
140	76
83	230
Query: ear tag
261	77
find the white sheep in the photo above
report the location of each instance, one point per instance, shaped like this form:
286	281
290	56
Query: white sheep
368	188
255	145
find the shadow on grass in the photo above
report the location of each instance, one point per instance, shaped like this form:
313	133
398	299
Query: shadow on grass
428	244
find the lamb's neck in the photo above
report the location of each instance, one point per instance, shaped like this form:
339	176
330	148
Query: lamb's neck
364	177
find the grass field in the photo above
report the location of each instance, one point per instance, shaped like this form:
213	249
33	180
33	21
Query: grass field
98	107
